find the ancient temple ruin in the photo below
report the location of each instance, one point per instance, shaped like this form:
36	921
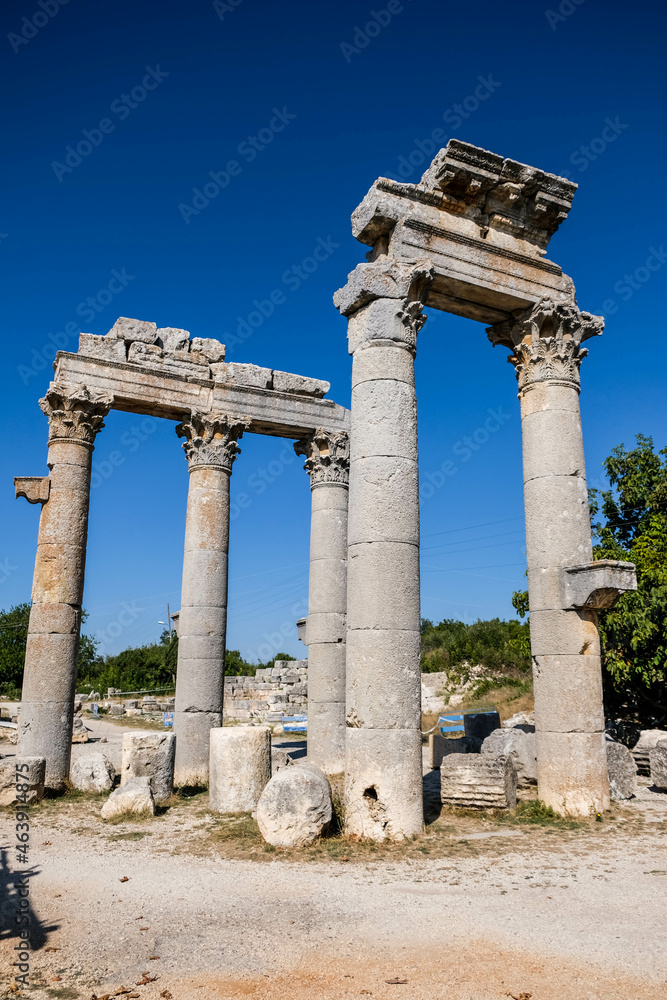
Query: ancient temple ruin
470	238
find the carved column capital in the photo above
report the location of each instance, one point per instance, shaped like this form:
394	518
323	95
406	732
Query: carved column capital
75	413
327	457
399	289
545	342
211	439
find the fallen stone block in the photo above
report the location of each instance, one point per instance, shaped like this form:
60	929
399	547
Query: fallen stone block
478	781
622	771
92	773
21	778
211	349
295	807
518	745
79	732
172	339
134	329
150	755
135	796
648	739
658	765
521	719
240	767
116	710
134	711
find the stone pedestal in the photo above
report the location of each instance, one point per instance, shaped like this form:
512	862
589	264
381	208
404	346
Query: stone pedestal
383	301
240	767
327	462
211	448
47	702
571	756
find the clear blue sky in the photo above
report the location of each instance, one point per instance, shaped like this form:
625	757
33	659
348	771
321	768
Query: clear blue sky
312	111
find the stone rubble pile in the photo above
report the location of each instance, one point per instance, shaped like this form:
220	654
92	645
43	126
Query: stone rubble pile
273	692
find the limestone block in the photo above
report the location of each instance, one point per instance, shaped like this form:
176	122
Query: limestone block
135	796
172	339
33	776
572	772
108	348
394	604
558	531
131	703
658	765
598	584
145	354
388	424
299	384
240	374
622	772
295	806
523	720
648	739
212	349
383	659
384	496
568	693
440	746
521	747
79	732
92	773
134	329
563	632
240	767
478	781
383	783
191	768
185	364
150	755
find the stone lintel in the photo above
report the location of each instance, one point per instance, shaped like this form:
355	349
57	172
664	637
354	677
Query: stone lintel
597	584
484	222
173	395
35	489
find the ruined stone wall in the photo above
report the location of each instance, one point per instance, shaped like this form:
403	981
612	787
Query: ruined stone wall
273	692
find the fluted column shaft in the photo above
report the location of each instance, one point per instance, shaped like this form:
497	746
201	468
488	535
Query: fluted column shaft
327	462
383	772
565	645
49	679
211	448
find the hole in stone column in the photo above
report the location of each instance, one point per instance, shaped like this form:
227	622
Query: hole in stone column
371	793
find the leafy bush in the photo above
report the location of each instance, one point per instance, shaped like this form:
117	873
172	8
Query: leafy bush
453	646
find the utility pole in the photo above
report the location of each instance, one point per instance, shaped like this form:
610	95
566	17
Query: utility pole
169	621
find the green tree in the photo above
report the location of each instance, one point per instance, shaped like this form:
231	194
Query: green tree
13	635
633	527
453	646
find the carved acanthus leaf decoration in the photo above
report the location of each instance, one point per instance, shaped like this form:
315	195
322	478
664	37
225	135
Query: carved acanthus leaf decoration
211	439
75	413
327	457
546	341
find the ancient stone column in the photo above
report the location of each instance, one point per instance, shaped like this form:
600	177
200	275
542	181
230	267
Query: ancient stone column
546	352
211	447
47	702
327	463
383	770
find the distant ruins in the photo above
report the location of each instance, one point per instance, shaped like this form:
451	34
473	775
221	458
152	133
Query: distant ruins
469	239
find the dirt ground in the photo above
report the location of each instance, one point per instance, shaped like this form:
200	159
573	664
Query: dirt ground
479	907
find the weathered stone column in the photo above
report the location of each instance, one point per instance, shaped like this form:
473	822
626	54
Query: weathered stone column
327	463
211	447
47	702
546	351
383	770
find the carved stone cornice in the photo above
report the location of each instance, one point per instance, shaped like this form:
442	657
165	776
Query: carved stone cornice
545	342
75	413
384	278
211	439
327	457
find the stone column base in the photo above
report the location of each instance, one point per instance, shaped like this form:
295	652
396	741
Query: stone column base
383	783
572	772
48	724
192	746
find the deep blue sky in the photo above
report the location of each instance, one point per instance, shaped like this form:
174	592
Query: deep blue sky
556	80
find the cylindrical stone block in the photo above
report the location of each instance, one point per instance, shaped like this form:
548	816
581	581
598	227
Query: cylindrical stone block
202	622
383	796
572	775
240	767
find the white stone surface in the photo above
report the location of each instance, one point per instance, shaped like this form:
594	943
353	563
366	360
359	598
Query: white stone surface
92	773
520	746
32	776
135	796
622	772
240	767
150	755
478	781
295	806
658	765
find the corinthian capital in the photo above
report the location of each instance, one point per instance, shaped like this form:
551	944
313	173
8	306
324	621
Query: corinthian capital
545	342
75	413
327	457
211	439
